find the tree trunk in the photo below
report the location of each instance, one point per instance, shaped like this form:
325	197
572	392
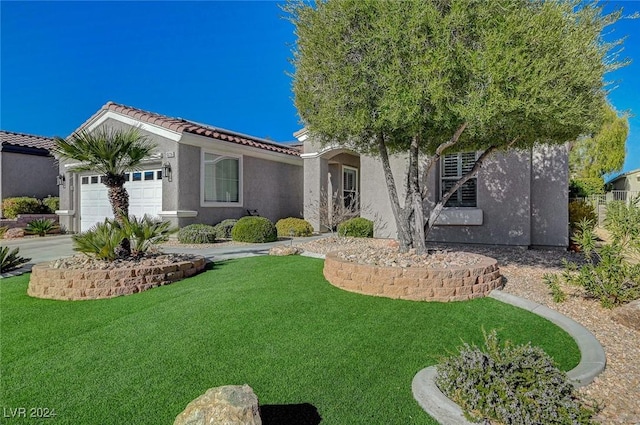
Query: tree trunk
414	198
119	199
404	232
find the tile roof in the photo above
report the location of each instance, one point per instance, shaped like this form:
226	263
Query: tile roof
181	125
26	140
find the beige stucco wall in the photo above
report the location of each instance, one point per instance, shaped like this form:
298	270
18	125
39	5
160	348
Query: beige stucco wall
522	197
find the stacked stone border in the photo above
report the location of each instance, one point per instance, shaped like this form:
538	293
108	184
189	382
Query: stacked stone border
459	283
81	284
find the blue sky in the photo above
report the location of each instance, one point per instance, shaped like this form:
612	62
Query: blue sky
221	63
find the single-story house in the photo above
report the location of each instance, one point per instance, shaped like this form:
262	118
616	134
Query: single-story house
629	182
518	197
27	167
198	174
204	174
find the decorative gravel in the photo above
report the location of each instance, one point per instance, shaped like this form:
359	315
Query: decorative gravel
82	261
617	389
390	257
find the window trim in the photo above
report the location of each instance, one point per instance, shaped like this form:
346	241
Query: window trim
458	177
204	203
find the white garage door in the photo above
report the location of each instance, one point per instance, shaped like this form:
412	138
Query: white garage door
145	197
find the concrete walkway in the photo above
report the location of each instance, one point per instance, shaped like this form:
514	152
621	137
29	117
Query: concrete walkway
51	248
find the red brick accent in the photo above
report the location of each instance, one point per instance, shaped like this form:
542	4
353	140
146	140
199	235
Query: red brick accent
451	284
76	284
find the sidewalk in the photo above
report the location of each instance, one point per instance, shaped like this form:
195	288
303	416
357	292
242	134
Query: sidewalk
50	248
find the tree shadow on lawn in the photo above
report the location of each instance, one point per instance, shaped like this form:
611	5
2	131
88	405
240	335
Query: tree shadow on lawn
289	414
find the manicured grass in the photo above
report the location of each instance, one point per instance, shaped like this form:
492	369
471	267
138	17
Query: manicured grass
271	322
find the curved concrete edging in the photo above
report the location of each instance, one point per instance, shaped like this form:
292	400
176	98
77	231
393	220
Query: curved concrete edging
592	363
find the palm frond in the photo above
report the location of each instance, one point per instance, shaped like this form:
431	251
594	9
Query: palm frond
105	150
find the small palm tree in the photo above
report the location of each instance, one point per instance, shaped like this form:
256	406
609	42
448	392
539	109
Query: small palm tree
112	153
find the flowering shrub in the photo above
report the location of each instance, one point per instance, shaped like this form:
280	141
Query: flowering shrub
510	384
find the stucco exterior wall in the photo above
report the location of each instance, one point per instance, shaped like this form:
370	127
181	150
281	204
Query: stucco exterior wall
522	197
550	196
27	175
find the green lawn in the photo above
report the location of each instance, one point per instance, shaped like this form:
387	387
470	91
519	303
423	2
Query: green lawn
271	322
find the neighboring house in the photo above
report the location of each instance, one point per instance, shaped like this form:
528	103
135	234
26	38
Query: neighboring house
27	167
198	174
518	198
629	182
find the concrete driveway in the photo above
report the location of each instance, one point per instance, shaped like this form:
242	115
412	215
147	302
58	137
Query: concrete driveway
50	248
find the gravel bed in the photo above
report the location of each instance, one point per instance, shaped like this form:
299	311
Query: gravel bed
82	261
617	389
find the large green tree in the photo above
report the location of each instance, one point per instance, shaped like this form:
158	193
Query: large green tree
110	152
425	77
593	156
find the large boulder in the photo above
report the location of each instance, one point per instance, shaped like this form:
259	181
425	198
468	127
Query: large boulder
628	315
227	405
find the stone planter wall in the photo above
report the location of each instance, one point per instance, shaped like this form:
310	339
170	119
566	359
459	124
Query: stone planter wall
412	283
79	284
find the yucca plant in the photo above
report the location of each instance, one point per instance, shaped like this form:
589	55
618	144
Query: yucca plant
10	260
101	241
41	226
146	232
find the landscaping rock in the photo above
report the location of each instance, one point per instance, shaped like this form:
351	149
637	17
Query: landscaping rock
628	315
14	233
226	405
285	250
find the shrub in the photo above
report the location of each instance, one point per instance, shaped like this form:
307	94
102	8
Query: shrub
197	233
254	230
146	232
10	260
607	275
3	230
223	229
357	227
100	241
52	203
293	227
581	210
12	207
41	226
581	188
510	384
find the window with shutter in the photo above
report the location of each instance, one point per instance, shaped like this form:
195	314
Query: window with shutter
452	168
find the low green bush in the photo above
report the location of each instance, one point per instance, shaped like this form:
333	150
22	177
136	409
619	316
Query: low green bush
356	227
10	260
223	229
580	210
12	207
510	384
197	233
41	226
52	203
255	230
293	227
3	230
